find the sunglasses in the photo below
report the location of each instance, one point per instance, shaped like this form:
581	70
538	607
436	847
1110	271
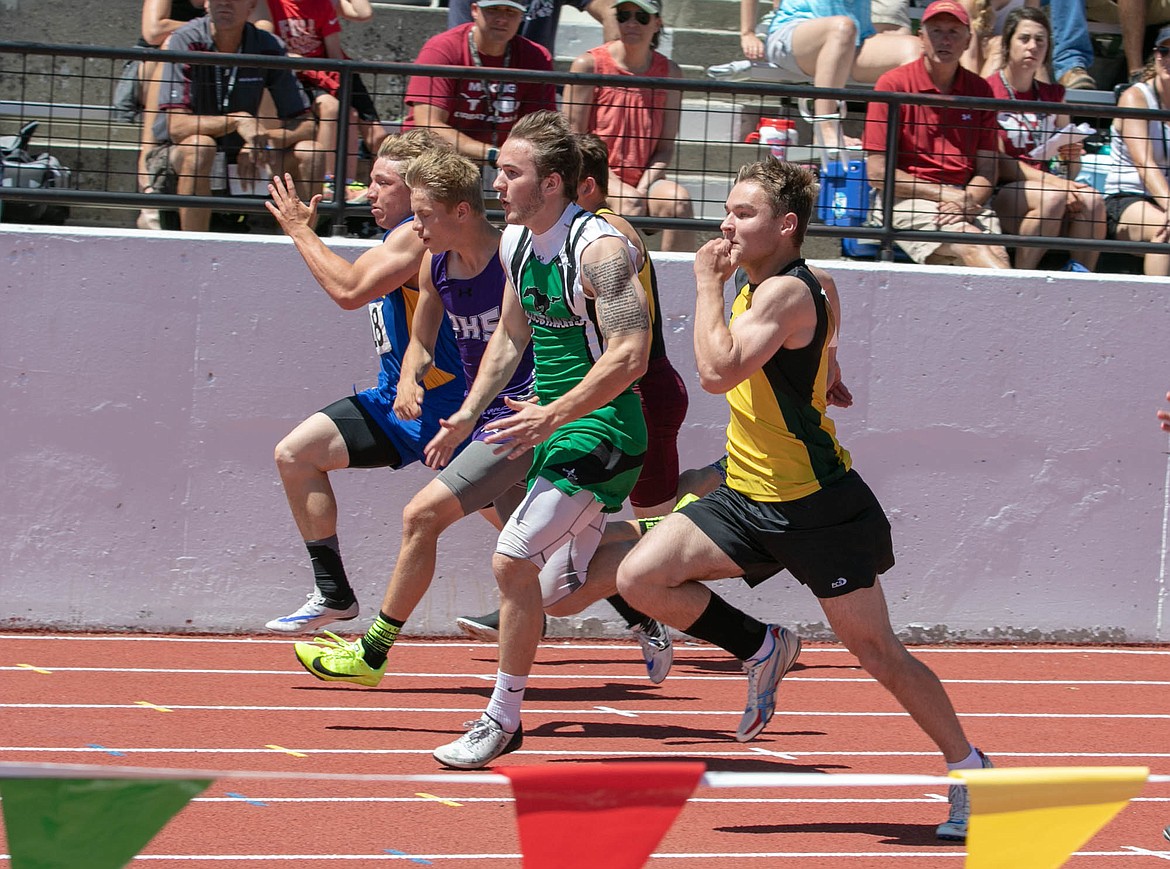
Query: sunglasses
1162	50
643	17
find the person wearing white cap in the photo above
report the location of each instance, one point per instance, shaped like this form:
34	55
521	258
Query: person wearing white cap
541	19
475	115
1137	189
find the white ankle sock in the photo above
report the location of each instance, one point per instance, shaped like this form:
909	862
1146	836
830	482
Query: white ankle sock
971	761
507	696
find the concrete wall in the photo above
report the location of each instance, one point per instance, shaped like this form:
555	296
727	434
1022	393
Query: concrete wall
1006	421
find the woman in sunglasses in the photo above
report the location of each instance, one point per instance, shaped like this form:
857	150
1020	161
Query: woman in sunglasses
1031	199
639	125
1137	192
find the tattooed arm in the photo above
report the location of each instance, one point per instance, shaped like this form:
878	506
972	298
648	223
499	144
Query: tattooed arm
624	319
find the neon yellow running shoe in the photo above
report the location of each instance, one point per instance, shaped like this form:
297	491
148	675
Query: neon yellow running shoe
332	659
647	523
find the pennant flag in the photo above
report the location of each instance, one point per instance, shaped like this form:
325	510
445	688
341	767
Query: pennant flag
609	814
1038	817
54	823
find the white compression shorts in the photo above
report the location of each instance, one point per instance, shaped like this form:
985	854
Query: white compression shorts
557	533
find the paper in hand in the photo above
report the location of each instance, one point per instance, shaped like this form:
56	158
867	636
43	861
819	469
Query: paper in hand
1069	134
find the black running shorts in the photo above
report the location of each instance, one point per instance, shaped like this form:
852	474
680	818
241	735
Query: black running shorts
368	445
833	541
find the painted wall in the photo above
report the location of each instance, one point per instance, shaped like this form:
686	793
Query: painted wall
1006	422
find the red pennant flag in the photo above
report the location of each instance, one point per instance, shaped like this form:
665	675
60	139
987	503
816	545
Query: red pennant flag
609	814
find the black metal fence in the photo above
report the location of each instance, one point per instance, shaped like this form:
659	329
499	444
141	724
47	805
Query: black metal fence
69	91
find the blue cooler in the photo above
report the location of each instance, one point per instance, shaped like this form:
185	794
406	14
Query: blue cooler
844	200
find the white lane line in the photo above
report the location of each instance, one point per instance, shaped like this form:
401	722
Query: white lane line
1161	855
722	856
737	753
594	710
617	644
675	677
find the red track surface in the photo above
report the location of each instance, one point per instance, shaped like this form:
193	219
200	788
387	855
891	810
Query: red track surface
239	704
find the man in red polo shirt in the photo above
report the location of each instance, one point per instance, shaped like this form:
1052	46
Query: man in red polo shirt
947	157
475	115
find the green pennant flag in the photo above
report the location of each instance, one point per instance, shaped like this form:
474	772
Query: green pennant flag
54	823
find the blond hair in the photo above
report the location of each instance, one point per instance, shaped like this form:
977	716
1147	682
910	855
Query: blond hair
446	177
788	188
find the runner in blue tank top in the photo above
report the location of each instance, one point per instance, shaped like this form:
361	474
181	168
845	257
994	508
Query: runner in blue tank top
461	278
363	430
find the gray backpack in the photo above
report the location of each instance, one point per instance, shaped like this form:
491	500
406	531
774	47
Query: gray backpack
20	168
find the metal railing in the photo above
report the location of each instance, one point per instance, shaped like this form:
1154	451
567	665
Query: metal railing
69	88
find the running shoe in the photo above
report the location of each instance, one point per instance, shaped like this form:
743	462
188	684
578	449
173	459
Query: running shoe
657	648
315	614
648	522
479	746
332	659
954	829
763	680
1166	834
487	628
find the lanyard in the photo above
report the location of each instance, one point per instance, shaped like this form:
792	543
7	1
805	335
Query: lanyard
223	96
1030	121
490	88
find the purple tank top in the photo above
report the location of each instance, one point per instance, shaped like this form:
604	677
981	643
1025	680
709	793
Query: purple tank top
473	306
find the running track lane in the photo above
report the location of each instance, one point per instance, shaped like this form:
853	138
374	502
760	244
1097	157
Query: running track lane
245	704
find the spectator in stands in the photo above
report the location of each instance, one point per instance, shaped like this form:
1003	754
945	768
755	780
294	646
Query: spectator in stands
946	157
1137	189
160	18
475	115
210	110
639	125
1133	16
890	16
829	41
542	18
310	28
1031	200
1072	49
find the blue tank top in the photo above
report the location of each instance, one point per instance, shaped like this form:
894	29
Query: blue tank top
390	319
473	305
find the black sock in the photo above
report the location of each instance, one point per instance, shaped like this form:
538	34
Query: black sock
379	638
729	628
627	612
329	573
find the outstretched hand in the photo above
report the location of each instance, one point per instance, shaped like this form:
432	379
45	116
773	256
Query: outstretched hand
452	432
287	207
530	425
1164	416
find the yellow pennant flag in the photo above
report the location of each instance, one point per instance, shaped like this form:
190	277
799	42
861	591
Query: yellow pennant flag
1038	817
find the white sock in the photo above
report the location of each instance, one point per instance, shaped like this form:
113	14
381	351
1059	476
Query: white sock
507	696
766	649
971	761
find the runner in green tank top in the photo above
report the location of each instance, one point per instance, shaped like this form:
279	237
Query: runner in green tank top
569	273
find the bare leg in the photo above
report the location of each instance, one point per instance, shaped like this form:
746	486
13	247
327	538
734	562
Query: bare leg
1025	208
1087	223
193	159
431	512
304	459
521	613
668	199
861	621
1131	14
824	48
1143	221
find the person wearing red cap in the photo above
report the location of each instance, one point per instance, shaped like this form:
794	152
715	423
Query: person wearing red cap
946	156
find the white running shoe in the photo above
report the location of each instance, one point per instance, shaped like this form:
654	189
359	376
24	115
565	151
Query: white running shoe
763	679
735	70
657	648
954	828
479	746
313	616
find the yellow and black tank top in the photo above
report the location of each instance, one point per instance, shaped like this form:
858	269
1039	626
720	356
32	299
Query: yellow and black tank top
780	444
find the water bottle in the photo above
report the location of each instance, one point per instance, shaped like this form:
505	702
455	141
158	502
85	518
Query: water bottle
776	133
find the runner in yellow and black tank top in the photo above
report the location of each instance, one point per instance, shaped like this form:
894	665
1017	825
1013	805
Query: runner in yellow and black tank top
780	444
